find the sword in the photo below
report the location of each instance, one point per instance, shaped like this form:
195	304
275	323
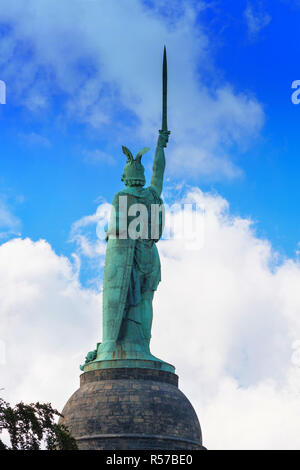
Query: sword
164	126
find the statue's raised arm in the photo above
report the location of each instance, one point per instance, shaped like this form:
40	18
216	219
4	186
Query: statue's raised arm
159	163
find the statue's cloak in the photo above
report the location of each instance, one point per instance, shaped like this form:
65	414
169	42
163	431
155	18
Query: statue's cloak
119	262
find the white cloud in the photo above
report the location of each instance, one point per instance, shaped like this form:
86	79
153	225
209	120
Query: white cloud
48	322
256	18
233	328
106	58
88	232
234	325
9	223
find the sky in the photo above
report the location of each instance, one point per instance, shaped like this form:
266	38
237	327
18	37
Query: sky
83	78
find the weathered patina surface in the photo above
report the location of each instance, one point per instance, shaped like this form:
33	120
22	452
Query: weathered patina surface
132	265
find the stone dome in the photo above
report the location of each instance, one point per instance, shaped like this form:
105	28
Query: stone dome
117	409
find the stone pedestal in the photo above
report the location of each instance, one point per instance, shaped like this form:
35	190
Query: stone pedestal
131	408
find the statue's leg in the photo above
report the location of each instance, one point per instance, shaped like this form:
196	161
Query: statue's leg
147	314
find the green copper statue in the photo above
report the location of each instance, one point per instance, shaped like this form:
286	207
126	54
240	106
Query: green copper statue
132	266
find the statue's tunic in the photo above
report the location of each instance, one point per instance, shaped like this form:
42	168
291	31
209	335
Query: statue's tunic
132	266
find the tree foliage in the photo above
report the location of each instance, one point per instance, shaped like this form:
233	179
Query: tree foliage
33	427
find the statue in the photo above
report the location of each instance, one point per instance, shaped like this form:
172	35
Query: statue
132	265
128	398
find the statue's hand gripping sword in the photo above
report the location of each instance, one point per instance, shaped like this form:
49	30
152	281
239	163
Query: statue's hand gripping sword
164	128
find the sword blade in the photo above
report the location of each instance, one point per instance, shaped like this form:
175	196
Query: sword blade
165	82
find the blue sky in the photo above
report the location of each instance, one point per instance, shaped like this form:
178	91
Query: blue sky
83	78
48	178
265	63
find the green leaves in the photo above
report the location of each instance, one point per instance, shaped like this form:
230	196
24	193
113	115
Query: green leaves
33	427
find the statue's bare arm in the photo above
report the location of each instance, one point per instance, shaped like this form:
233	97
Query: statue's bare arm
159	163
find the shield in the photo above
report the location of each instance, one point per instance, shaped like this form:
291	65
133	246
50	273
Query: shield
118	266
